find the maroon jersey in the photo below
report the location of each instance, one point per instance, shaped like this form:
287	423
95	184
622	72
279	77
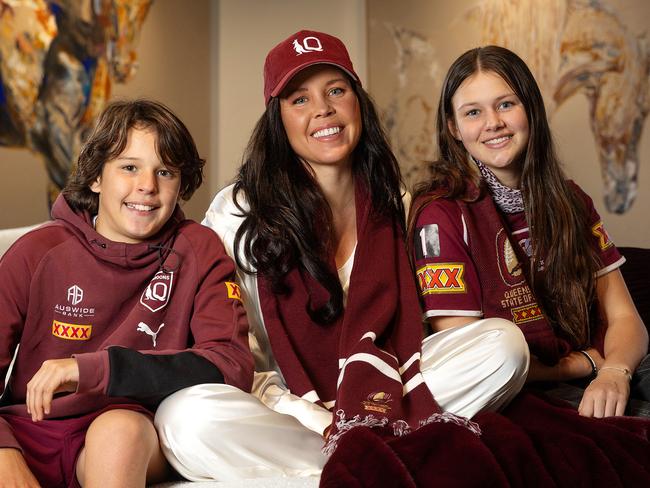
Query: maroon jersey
470	261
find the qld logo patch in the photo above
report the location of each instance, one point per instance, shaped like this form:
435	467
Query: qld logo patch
526	314
442	278
599	231
156	296
509	266
308	44
71	332
233	290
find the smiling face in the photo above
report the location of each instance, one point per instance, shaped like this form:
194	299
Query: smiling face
137	192
321	116
490	121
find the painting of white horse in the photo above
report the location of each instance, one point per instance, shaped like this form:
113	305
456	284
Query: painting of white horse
573	47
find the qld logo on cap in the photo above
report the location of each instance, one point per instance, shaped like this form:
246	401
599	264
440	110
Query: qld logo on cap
308	44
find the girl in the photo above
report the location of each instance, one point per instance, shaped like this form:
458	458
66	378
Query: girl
529	244
315	224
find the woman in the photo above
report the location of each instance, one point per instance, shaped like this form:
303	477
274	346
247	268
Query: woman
529	243
315	224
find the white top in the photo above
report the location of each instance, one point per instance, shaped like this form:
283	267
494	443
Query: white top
345	272
268	385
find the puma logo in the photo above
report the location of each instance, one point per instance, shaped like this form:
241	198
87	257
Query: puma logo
142	327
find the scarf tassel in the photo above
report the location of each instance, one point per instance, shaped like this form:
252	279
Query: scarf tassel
400	427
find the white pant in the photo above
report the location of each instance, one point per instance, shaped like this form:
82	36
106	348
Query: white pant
217	432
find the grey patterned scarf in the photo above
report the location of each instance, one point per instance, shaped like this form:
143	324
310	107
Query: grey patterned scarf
509	200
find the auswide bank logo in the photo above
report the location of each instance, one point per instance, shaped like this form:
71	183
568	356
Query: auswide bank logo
73	307
75	295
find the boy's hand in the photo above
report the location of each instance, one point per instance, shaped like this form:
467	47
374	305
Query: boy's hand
54	376
15	471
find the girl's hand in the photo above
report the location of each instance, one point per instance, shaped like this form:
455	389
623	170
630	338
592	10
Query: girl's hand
54	376
606	395
14	469
571	367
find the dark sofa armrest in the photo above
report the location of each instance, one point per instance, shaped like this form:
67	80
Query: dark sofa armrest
636	272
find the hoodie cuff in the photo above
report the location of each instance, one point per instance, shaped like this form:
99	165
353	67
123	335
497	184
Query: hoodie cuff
93	372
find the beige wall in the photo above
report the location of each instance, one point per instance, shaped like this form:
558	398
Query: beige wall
434	33
204	59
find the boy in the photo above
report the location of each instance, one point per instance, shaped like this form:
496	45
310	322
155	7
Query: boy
117	303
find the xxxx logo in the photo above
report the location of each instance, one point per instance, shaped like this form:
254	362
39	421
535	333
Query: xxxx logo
233	290
526	314
72	332
441	278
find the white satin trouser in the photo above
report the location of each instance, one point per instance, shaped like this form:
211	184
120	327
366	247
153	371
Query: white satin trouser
217	432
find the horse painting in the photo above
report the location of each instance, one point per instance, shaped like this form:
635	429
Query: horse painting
58	60
571	46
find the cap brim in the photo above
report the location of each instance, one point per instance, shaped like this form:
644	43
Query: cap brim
287	77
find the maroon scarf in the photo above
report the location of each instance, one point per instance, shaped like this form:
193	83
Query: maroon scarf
368	362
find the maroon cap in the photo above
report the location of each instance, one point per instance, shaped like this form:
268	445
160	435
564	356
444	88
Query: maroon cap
304	48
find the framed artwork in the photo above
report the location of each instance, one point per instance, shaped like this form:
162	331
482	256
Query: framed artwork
58	61
596	51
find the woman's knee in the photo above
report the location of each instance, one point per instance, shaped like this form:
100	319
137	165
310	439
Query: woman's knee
202	410
509	345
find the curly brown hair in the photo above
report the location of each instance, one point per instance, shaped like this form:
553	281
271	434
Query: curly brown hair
174	145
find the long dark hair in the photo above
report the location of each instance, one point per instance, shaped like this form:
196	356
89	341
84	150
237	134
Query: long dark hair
174	144
289	222
556	215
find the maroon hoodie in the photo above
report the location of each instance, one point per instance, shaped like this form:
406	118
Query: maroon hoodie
143	320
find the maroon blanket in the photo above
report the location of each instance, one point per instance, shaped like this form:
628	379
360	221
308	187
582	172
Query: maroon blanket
367	364
533	443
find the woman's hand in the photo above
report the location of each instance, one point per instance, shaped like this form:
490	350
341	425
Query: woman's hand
606	395
14	469
54	376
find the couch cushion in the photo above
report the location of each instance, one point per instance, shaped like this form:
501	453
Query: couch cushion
636	271
8	236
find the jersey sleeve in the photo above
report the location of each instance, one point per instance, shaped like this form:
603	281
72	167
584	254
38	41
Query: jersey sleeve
447	278
610	258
